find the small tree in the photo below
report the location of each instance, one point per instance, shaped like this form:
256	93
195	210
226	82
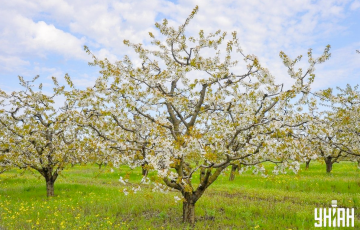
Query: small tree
320	133
197	115
38	135
335	132
345	119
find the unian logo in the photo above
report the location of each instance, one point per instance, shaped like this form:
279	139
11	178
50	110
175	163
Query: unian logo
334	217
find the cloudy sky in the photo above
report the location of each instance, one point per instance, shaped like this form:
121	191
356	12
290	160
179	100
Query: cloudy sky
47	37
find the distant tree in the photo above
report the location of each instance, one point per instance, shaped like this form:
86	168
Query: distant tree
196	115
38	135
346	119
319	139
335	132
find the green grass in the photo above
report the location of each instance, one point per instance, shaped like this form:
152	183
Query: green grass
86	199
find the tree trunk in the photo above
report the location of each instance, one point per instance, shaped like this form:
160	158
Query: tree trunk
233	172
50	178
207	177
50	187
307	164
144	168
329	164
189	212
144	172
328	167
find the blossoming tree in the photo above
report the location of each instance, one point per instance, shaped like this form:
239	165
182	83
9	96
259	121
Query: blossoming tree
36	134
334	131
345	116
197	114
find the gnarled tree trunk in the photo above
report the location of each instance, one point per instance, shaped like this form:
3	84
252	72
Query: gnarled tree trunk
234	168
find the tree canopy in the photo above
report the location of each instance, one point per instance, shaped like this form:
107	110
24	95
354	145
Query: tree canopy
37	134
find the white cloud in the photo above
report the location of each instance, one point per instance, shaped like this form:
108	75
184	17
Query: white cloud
355	5
23	36
8	63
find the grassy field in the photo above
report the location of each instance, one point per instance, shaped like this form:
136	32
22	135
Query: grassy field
88	199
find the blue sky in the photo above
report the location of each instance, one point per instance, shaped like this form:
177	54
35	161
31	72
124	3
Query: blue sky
47	37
